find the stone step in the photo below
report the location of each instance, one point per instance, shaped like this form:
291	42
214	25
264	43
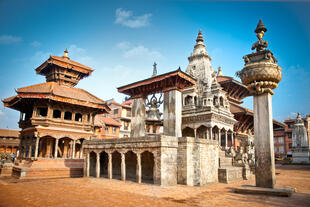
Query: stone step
225	161
230	174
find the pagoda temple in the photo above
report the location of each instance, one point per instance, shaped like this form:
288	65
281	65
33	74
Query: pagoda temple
55	116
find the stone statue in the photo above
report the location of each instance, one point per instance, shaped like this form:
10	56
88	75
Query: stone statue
153	105
261	44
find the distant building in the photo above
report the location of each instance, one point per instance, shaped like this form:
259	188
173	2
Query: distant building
106	127
9	140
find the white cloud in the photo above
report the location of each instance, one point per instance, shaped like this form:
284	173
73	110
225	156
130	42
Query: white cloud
139	51
126	18
9	39
35	44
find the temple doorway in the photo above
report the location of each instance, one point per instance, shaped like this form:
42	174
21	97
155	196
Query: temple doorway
131	166
92	164
116	165
104	164
147	164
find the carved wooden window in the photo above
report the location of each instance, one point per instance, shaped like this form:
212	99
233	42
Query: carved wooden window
42	112
68	115
56	114
78	117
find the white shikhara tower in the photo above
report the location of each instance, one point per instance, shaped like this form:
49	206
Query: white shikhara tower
206	111
200	63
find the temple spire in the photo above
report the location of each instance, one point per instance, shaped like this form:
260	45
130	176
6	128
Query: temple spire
154	69
199	37
219	72
66	53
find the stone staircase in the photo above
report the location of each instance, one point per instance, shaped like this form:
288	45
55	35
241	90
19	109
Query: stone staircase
227	172
48	168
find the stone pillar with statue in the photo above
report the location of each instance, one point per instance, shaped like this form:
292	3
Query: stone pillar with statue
261	75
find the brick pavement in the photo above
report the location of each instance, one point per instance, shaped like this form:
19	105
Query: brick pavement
79	192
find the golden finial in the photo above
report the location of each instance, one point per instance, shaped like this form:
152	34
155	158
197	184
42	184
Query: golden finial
219	72
66	53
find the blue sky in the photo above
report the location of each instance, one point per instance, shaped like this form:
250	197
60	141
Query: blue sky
122	39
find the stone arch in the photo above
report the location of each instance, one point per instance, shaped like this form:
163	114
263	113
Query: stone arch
147	165
223	140
215	133
188	132
116	165
79	148
64	147
188	100
104	159
131	165
47	146
202	132
92	164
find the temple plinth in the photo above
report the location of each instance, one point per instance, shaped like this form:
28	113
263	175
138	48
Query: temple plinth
171	84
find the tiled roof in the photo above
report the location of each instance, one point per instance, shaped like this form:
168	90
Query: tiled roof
66	63
9	133
102	120
57	92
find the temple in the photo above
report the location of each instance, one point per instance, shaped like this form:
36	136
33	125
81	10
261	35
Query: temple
55	117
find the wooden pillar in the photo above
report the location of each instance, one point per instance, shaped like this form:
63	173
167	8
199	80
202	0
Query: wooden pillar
123	167
232	140
110	166
30	147
37	147
139	169
73	150
65	152
56	148
98	165
195	132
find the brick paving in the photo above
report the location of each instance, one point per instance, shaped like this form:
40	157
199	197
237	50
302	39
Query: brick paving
78	192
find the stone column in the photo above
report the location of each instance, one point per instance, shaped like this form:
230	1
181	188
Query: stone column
226	144
71	147
37	147
65	152
232	140
211	138
219	137
173	113
195	132
123	167
139	168
110	166
263	141
73	150
56	148
98	165
138	118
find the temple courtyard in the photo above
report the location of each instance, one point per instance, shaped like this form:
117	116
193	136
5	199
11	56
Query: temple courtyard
104	192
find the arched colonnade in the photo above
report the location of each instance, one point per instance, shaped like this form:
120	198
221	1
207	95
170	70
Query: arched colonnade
124	165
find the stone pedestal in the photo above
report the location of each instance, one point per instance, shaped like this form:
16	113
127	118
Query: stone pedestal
301	155
173	113
263	141
138	118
